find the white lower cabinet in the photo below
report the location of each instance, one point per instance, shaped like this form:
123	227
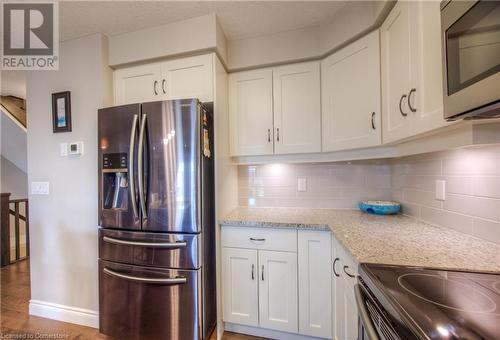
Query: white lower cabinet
278	290
278	280
314	252
345	316
241	304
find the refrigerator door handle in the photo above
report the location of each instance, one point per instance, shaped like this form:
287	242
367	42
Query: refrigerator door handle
131	166
140	166
171	281
178	244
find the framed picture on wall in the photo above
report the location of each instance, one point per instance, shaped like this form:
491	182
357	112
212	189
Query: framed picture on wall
61	112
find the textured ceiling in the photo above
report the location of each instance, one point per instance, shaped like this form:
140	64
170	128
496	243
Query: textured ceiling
239	19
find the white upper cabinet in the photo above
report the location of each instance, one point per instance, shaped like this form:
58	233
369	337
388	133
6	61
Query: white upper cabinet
275	110
251	112
396	72
278	291
190	77
297	112
412	90
137	84
350	96
315	283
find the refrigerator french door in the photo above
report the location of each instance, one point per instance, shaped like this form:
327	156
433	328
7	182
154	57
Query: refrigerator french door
156	209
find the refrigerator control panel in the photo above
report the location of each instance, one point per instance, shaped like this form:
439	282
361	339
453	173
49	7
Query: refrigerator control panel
114	161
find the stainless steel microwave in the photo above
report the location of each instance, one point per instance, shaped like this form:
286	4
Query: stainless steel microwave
471	59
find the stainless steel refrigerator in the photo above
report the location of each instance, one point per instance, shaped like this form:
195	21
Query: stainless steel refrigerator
156	213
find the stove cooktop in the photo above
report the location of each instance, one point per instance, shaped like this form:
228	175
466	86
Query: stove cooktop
436	304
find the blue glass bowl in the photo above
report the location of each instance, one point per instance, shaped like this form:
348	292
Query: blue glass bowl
380	207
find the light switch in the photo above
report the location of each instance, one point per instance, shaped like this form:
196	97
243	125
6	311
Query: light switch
63	147
302	184
440	190
39	188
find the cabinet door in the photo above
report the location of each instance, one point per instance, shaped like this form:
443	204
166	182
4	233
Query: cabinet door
427	76
337	293
137	84
239	286
278	290
251	112
314	253
350	320
188	78
350	96
297	112
396	70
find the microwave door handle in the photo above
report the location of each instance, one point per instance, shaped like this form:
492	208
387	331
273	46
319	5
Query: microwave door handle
131	172
140	161
363	313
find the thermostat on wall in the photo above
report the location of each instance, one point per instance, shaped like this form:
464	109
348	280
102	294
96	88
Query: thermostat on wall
76	148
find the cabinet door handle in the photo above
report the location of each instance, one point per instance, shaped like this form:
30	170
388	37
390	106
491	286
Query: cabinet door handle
262	273
334	271
253	268
278	134
256	239
412	91
269	135
348	274
155	85
373	121
163	86
404	114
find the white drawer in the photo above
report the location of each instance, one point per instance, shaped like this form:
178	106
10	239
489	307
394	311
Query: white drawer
260	238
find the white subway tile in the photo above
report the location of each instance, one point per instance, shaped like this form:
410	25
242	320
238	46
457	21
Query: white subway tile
411	210
474	206
459	185
447	219
425	198
487	230
486	186
424	167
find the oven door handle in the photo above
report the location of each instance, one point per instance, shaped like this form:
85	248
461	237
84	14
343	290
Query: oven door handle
360	293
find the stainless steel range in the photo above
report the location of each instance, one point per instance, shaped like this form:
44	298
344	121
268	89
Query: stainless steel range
156	210
415	303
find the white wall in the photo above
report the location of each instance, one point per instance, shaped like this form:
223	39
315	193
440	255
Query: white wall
13	83
63	225
13	179
181	37
14	142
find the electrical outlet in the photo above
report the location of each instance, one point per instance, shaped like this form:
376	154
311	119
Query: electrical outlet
440	190
39	188
302	184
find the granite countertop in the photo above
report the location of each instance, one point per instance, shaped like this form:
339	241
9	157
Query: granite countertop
398	239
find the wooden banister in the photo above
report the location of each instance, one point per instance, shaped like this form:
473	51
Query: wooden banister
6	211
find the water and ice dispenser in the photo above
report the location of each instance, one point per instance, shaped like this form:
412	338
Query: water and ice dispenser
115	181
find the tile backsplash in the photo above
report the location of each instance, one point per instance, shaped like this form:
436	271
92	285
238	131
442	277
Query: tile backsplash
329	185
471	175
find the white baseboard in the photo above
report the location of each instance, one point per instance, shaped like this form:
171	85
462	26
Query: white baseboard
265	333
49	310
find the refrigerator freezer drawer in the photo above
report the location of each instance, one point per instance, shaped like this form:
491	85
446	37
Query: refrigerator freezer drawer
148	303
150	249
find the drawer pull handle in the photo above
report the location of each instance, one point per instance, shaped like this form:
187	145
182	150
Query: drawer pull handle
170	245
253	268
174	280
334	271
256	239
262	272
347	273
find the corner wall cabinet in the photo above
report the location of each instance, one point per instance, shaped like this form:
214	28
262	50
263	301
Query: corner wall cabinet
190	77
275	110
350	96
412	89
277	279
